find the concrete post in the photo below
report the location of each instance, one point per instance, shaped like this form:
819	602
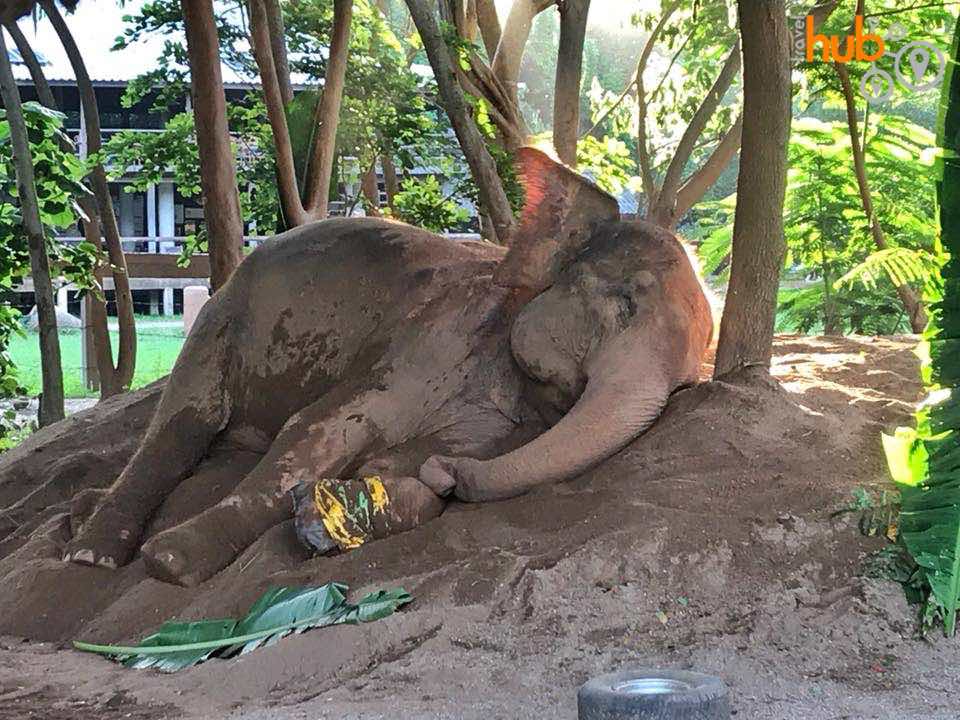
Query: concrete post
88	356
166	225
155	302
151	216
194	298
168	302
62	298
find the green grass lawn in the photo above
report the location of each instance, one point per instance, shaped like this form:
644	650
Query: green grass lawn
157	349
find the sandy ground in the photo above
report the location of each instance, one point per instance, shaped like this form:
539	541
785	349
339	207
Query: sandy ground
707	544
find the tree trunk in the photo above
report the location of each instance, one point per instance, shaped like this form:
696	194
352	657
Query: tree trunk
278	48
218	174
746	331
489	23
566	95
51	403
391	182
288	188
667	205
320	167
908	296
482	166
371	191
113	380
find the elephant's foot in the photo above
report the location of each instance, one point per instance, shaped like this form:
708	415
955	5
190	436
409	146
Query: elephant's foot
185	555
83	505
196	550
467	479
109	538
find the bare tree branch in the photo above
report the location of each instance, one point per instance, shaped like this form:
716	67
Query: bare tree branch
288	189
697	185
489	24
666	201
566	95
482	166
320	167
278	48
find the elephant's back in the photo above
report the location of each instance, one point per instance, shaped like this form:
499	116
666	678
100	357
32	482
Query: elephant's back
322	302
370	245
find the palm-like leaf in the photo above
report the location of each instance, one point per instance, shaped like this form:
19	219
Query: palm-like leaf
901	265
926	461
279	612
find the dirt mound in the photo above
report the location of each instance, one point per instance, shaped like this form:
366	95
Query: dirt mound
708	542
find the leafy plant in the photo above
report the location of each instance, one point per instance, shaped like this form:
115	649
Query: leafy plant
421	202
279	612
59	180
925	461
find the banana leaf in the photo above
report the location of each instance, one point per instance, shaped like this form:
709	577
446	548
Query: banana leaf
279	612
925	462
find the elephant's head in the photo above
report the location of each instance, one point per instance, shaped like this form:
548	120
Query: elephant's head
619	320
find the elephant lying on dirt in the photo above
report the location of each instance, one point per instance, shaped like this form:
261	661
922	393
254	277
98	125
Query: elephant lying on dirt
363	346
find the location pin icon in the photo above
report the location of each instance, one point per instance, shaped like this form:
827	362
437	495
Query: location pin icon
919	59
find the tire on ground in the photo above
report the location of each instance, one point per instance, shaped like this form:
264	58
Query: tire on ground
654	695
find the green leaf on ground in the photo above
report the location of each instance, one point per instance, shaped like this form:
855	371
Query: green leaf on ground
279	612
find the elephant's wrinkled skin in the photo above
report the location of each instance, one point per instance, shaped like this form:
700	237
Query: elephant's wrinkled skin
361	345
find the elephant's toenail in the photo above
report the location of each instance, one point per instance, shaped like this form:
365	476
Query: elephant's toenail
83	556
107	562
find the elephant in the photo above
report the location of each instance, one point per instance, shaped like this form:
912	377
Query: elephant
361	346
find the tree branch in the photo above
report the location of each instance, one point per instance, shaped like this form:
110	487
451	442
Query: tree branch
278	48
287	186
667	198
482	166
566	94
489	24
513	41
320	167
127	346
697	185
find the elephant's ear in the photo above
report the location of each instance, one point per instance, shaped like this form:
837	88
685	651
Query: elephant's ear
562	208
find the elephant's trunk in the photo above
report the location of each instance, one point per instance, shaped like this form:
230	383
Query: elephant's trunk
612	411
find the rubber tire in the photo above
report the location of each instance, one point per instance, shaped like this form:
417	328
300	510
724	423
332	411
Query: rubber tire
707	699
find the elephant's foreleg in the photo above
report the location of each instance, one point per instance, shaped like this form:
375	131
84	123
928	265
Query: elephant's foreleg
194	408
111	535
320	441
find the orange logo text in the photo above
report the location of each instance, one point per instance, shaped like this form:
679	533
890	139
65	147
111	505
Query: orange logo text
854	45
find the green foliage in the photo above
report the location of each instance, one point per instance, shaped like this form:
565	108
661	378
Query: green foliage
421	202
172	151
850	284
59	182
608	162
279	612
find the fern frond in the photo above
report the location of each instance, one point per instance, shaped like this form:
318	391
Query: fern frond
900	265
